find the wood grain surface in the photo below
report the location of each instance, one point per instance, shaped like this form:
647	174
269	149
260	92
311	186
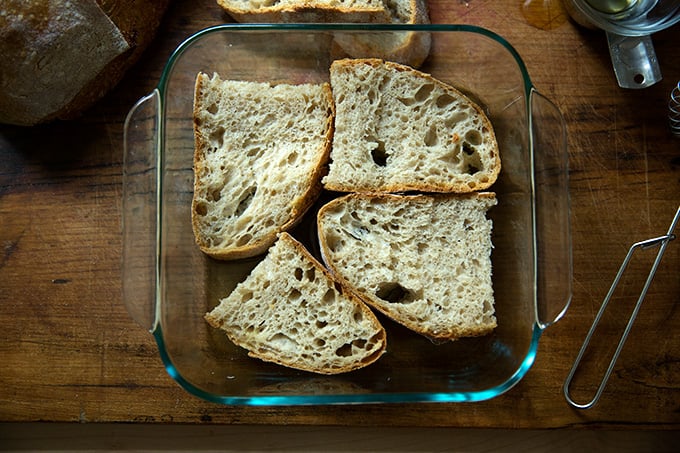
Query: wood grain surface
71	353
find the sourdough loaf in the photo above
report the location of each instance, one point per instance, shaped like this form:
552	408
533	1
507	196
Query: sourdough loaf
259	153
60	56
422	260
399	129
290	311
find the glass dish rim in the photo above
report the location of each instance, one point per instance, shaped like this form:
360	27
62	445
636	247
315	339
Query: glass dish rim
176	54
359	398
364	398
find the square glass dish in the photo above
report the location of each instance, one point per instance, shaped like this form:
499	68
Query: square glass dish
169	284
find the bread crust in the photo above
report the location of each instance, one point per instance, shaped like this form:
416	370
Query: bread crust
62	56
336	180
450	332
299	206
306	12
264	353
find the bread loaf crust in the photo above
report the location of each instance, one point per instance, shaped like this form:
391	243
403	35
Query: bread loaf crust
138	21
60	56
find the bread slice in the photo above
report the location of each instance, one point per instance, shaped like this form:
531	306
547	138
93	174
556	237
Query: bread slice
306	10
422	260
259	155
399	129
290	311
405	47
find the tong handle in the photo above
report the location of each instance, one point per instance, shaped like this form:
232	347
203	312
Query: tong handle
662	242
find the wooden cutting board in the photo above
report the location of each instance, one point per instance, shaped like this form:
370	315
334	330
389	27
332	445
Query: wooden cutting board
70	352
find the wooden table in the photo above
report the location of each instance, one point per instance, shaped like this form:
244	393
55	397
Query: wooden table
70	352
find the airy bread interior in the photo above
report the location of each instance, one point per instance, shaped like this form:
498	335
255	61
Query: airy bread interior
290	311
423	260
398	129
260	151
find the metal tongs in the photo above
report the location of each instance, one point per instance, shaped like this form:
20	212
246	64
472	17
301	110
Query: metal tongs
662	242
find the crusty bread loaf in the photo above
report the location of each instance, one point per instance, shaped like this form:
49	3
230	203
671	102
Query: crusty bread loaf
398	129
259	155
306	10
290	311
422	260
405	47
60	56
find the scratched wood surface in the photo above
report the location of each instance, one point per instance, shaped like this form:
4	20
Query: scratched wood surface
70	352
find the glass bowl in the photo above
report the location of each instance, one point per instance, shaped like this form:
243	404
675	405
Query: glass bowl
168	284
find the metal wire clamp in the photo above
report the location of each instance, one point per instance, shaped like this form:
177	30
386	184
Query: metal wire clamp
662	242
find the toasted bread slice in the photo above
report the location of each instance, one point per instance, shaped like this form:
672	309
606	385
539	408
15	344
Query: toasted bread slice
398	129
422	260
290	311
259	154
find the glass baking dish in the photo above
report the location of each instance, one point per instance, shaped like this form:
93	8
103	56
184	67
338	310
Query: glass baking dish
168	284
